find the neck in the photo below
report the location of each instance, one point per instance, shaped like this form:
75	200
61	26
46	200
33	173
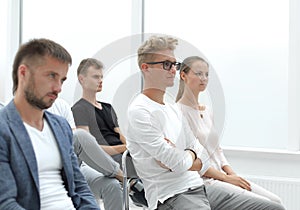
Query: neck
29	114
190	99
156	95
91	97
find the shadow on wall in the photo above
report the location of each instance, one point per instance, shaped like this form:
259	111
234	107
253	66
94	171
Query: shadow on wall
125	93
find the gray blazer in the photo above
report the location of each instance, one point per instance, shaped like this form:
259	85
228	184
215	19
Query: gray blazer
19	183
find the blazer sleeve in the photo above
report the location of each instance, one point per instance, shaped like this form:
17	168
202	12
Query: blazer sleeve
8	186
82	197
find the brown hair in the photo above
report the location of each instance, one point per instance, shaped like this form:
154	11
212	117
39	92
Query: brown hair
34	51
86	63
186	67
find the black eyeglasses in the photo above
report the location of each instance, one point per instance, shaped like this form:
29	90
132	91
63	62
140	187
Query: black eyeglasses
167	65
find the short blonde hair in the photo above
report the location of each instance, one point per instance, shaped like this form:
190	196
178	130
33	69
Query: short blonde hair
153	45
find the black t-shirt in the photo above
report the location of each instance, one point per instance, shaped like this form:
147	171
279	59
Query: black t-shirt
101	123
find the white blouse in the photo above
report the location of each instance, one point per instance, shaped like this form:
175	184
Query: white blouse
201	123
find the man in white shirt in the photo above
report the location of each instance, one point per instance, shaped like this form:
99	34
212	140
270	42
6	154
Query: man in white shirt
164	150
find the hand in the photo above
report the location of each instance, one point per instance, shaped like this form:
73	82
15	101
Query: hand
238	181
159	162
162	165
170	143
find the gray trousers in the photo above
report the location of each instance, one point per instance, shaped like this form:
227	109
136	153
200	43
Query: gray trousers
194	199
88	150
222	199
99	170
107	188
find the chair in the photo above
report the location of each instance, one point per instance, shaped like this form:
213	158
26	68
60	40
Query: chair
128	172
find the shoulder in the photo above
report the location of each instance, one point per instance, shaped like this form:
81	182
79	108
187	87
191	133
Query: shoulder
56	119
61	102
202	107
4	125
106	105
59	107
78	103
9	113
140	106
142	101
81	104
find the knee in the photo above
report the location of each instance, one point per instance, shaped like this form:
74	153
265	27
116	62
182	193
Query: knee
76	142
79	134
111	188
114	185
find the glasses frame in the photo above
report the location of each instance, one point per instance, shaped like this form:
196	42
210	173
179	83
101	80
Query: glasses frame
164	63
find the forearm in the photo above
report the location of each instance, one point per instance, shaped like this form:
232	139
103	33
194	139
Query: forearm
123	139
215	174
232	179
114	150
197	165
228	170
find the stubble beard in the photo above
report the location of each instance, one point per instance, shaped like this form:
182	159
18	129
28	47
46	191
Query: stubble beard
33	100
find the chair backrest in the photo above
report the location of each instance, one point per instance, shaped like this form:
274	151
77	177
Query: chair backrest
127	165
129	172
126	159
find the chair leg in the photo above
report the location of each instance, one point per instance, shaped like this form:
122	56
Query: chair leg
125	182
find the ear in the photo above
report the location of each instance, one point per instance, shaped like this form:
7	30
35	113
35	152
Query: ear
182	76
144	67
80	78
22	70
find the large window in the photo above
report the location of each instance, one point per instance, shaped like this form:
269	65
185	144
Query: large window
246	42
3	43
84	28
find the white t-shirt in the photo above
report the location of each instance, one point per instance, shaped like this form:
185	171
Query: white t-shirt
53	193
149	124
204	130
62	108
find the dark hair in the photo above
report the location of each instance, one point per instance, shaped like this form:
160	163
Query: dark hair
34	51
86	63
186	67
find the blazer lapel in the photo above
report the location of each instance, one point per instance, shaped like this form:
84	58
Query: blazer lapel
22	138
62	143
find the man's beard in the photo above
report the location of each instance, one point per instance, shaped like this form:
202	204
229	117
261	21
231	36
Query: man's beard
33	100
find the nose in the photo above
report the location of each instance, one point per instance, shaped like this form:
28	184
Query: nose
57	86
173	69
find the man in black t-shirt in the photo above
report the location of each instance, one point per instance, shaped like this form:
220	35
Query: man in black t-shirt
100	119
97	117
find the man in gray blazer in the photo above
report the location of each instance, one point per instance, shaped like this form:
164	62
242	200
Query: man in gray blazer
38	168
